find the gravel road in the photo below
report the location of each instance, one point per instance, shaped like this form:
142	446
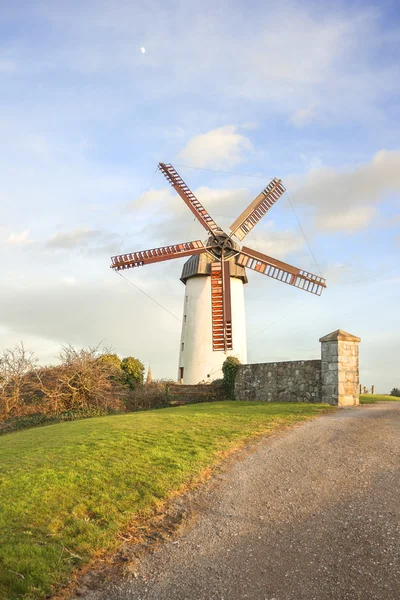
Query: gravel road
311	514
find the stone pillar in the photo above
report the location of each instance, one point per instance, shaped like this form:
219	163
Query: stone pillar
339	368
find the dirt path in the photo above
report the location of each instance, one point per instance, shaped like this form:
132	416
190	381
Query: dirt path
311	514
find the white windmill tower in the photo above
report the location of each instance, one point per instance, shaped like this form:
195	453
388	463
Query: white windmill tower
213	316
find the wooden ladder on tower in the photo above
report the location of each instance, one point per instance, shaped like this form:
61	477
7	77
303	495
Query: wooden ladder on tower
221	306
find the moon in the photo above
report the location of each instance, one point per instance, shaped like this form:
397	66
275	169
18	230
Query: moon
142	50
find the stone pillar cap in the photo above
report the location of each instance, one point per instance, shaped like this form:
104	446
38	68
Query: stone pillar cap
341	335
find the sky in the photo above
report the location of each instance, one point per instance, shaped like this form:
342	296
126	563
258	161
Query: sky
232	94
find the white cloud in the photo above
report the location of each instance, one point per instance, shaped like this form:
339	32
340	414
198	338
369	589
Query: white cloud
225	202
217	148
71	239
311	161
353	219
303	116
346	199
79	238
277	244
390	280
69	280
158	219
19	238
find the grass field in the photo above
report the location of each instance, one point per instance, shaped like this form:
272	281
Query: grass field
66	490
372	398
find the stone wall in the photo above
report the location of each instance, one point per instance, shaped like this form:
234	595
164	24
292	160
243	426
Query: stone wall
179	393
334	379
292	381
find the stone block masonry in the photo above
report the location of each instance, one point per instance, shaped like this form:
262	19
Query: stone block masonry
340	369
295	381
179	393
334	379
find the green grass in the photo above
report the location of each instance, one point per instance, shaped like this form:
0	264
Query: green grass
373	398
66	490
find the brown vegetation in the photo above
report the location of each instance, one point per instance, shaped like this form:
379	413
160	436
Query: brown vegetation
89	380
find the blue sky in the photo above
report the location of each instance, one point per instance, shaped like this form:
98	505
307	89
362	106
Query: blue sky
300	90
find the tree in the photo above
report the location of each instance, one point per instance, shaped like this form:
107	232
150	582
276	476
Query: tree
133	369
17	372
113	362
395	392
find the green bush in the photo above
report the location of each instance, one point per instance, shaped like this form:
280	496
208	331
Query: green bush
395	392
112	360
229	369
133	369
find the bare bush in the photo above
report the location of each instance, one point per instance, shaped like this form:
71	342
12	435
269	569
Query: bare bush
18	378
84	380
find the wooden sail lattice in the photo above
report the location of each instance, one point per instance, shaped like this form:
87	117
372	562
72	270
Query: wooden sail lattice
146	257
281	271
257	209
188	197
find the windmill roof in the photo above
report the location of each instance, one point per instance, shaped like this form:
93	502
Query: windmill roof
199	265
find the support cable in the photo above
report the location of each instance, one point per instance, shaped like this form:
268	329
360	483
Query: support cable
277	320
304	235
148	296
225	172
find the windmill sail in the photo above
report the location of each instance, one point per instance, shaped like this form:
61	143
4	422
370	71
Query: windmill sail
188	197
145	257
281	271
257	209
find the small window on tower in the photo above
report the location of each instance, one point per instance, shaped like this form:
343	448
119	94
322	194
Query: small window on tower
187	297
184	318
183	345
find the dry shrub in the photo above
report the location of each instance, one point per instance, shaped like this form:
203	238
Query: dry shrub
17	379
87	381
83	380
149	395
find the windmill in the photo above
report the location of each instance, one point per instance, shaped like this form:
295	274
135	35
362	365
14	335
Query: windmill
213	315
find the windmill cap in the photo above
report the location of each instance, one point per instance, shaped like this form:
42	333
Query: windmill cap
200	264
340	335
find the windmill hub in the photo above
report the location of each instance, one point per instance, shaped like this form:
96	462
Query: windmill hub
221	245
